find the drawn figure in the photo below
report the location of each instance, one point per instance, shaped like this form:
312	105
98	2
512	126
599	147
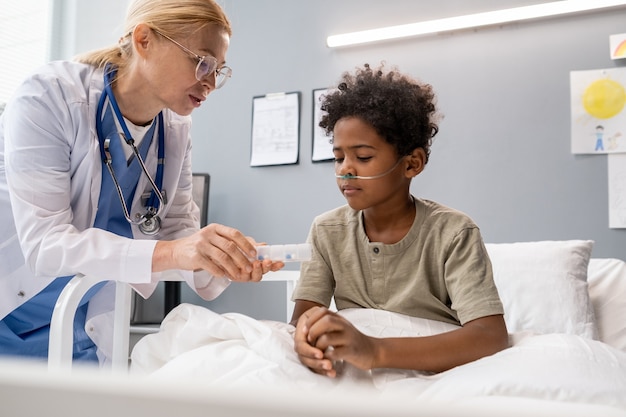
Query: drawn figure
599	139
613	141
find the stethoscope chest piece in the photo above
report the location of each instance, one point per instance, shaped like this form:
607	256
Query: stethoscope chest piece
151	226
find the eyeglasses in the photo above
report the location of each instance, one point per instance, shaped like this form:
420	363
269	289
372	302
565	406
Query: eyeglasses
206	65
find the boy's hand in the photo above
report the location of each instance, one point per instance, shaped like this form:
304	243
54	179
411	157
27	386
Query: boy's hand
310	355
324	338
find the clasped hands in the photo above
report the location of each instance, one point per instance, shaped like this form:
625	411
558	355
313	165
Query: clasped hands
323	339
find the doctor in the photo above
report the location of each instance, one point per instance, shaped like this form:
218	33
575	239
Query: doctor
95	176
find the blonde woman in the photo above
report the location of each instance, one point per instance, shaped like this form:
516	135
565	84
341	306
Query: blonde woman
95	176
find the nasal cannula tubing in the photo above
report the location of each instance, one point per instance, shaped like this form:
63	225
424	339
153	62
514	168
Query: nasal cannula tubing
373	177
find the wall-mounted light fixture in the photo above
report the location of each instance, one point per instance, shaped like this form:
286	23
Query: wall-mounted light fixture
495	17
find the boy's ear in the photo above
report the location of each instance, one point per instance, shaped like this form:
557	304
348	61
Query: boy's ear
416	162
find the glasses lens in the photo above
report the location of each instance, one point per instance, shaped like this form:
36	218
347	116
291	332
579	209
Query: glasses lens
205	66
222	75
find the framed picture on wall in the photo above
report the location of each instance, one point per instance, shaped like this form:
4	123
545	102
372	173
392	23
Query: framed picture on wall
322	148
275	129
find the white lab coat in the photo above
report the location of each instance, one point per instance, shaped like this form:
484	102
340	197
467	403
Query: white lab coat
50	176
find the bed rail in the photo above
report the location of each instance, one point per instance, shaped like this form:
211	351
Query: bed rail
62	323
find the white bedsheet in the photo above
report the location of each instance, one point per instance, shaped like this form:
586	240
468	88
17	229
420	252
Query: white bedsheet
236	350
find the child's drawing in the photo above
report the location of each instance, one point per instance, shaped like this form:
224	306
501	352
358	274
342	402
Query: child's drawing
618	46
598	116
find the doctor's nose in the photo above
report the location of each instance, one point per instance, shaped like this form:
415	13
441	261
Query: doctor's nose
208	83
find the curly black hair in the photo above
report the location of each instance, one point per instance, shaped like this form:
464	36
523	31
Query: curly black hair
401	109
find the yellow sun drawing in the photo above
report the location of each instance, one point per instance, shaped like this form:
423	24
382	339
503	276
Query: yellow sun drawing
604	98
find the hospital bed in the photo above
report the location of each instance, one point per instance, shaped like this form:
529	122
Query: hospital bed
565	313
26	389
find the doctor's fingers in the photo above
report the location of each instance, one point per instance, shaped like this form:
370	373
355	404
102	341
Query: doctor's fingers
225	254
267	265
229	234
255	275
216	262
216	258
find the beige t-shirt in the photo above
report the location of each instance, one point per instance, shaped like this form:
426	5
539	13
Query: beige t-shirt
440	270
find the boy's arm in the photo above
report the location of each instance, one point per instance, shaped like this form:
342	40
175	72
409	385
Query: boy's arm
476	339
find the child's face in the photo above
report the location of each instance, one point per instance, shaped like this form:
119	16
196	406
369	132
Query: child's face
360	151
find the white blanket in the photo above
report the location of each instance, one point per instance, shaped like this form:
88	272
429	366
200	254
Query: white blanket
236	350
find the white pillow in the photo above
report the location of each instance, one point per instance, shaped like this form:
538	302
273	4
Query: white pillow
607	289
543	286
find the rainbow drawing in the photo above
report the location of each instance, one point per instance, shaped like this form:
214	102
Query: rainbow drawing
618	46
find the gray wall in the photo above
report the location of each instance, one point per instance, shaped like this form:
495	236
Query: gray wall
503	151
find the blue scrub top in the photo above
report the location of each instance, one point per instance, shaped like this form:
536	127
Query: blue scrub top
25	331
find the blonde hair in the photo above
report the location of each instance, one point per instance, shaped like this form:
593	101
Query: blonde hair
174	18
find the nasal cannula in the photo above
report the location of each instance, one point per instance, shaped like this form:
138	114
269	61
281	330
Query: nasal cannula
373	177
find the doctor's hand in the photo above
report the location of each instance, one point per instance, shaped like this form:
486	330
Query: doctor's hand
324	339
218	249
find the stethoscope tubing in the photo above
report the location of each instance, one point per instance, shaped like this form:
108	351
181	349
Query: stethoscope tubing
156	201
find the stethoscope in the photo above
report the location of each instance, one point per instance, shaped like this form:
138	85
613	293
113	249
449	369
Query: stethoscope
149	223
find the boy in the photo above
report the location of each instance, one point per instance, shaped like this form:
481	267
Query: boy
387	249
